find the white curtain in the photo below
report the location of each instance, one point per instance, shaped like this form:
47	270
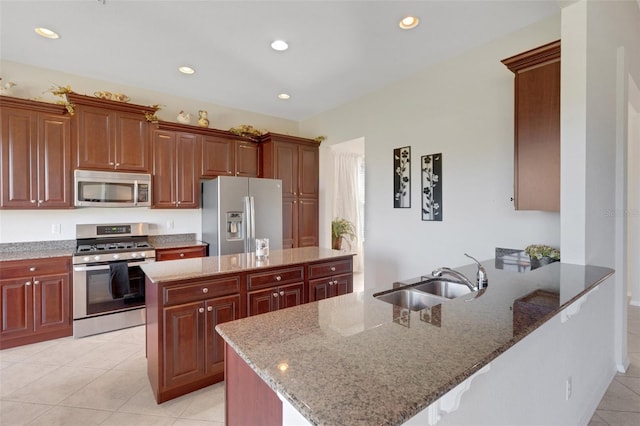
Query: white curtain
348	198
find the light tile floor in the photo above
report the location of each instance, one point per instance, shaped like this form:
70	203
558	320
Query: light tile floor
101	380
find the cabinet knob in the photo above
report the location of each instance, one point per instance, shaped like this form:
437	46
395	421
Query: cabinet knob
301	202
335	282
295	202
295	193
181	254
36	282
201	310
33	268
205	290
209	308
333	269
27	283
278	278
330	282
111	163
178	203
117	164
33	201
281	292
275	294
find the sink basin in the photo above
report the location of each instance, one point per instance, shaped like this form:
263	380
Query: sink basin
446	289
410	299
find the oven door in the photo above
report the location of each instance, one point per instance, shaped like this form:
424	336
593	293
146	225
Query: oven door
93	292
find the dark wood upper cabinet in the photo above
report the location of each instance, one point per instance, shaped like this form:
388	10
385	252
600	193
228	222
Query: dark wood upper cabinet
110	135
227	156
175	169
36	155
537	128
295	161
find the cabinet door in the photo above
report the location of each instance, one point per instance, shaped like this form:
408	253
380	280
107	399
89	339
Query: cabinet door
131	142
247	159
286	168
319	289
188	177
290	295
307	222
220	310
217	156
289	223
54	161
262	301
342	284
184	344
16	304
94	138
164	168
308	164
51	302
19	186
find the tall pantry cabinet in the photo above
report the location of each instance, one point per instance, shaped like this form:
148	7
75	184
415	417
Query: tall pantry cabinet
295	161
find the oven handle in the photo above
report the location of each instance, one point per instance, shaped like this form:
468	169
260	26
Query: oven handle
82	268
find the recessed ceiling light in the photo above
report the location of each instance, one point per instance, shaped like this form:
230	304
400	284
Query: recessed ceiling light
186	70
284	96
409	22
46	33
279	45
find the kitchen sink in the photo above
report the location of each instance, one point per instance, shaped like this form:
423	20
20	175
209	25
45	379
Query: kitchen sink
442	288
409	299
424	294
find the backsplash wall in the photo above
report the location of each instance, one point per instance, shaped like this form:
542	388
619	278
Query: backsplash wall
52	225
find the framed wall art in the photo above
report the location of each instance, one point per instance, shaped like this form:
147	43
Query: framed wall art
402	177
431	187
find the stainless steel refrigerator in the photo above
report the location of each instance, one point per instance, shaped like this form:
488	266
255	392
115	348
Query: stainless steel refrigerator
237	210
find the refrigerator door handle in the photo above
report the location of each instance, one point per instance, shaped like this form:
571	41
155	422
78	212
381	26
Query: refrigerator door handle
248	218
252	240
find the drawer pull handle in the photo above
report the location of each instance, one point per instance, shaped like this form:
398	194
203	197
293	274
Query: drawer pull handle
278	278
333	269
201	310
209	308
181	254
281	292
205	290
27	283
275	294
33	268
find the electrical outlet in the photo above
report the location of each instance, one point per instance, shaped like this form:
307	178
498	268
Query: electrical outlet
568	388
55	228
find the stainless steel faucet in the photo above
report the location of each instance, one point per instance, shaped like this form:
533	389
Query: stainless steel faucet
481	275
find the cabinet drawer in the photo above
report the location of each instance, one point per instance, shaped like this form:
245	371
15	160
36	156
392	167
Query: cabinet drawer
201	290
329	268
35	267
275	277
180	253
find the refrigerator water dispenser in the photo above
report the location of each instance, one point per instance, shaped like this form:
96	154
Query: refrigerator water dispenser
235	222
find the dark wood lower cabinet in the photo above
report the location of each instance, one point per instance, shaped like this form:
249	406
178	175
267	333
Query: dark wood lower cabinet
323	288
35	301
272	299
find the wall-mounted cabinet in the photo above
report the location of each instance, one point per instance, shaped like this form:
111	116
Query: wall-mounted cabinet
36	155
537	128
226	156
176	183
110	135
295	161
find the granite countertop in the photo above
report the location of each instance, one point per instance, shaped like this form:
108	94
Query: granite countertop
177	244
354	359
37	250
183	269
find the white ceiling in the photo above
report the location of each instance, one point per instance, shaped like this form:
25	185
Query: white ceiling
339	50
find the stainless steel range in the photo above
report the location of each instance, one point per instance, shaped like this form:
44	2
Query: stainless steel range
108	284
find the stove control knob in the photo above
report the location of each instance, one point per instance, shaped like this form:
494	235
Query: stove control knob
143	254
86	259
134	255
116	256
96	258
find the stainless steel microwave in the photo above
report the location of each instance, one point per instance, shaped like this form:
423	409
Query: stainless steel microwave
111	189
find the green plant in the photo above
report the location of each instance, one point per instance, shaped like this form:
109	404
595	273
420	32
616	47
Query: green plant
538	251
342	229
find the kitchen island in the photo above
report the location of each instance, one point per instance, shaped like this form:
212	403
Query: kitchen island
533	348
186	300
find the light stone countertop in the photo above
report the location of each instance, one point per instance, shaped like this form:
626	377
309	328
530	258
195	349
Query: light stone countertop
172	270
37	250
354	359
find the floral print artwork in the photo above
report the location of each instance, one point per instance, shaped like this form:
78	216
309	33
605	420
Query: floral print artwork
431	187
402	177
